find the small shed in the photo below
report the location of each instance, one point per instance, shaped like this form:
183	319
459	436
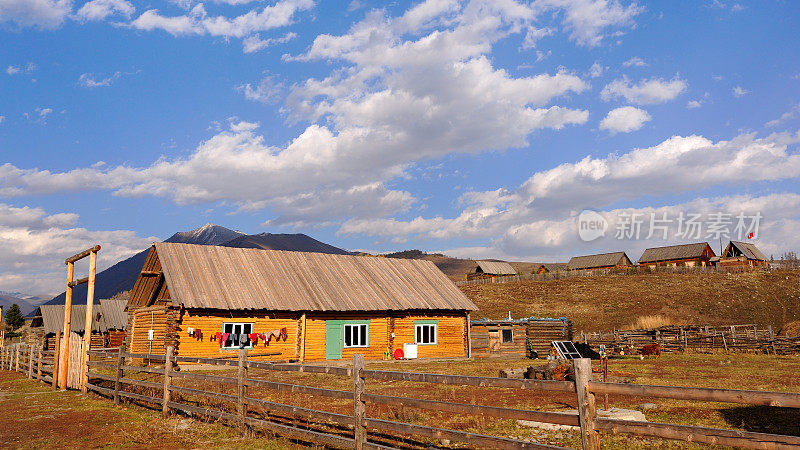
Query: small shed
108	323
685	255
210	301
602	262
490	269
531	337
551	268
742	254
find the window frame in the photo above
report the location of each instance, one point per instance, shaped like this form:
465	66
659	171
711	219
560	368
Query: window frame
351	325
503	332
427	323
233	325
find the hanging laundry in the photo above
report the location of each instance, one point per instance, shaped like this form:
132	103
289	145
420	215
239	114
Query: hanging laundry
254	338
217	337
224	338
198	334
243	340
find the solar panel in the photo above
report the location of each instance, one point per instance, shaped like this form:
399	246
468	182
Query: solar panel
566	350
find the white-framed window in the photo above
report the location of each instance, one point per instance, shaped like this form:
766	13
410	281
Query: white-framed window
356	335
426	333
235	331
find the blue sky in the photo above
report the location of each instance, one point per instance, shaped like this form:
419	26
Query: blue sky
476	128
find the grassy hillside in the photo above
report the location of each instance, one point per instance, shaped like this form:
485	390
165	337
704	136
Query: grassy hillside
604	303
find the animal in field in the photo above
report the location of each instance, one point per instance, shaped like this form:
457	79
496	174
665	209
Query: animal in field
651	350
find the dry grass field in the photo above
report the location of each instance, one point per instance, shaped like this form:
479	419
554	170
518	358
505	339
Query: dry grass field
618	301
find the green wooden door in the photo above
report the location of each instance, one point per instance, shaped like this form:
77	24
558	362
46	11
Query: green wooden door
334	339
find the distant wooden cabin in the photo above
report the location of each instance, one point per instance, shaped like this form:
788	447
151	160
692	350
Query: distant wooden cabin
742	254
491	269
319	306
685	255
517	337
108	323
551	268
603	262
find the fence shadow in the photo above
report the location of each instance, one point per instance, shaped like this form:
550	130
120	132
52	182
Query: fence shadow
764	419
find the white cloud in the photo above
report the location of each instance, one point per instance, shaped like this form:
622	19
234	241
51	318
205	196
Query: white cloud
100	9
646	92
788	115
738	91
46	14
634	62
596	70
254	43
587	19
34	244
539	214
198	22
43	112
2	118
14	70
624	120
88	80
393	99
693	104
267	91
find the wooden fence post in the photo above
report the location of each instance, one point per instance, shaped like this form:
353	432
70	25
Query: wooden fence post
119	376
242	387
16	358
39	365
167	382
587	411
359	407
30	362
56	359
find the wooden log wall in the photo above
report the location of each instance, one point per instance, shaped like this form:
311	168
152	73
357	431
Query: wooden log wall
542	333
481	345
211	321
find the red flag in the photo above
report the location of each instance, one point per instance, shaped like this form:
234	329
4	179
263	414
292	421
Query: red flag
750	236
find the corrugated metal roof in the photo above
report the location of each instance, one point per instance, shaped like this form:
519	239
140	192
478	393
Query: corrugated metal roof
113	315
748	249
683	251
599	260
495	268
204	276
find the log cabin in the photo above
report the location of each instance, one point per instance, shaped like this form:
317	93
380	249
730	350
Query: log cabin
531	337
551	268
491	269
210	301
601	263
742	254
685	255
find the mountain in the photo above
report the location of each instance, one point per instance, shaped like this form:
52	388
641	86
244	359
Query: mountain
122	275
6	299
292	242
208	234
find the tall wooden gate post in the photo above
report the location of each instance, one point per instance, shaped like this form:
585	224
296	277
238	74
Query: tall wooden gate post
117	382
242	386
62	369
587	411
16	358
359	406
39	365
167	382
56	360
87	331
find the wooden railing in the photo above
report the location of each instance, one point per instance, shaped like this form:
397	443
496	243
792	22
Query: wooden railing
182	391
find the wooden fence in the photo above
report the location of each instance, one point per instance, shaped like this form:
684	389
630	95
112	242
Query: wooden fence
174	392
635	270
746	337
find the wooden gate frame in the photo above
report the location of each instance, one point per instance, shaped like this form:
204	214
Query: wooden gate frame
63	369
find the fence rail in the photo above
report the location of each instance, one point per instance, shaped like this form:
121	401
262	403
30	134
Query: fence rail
356	430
